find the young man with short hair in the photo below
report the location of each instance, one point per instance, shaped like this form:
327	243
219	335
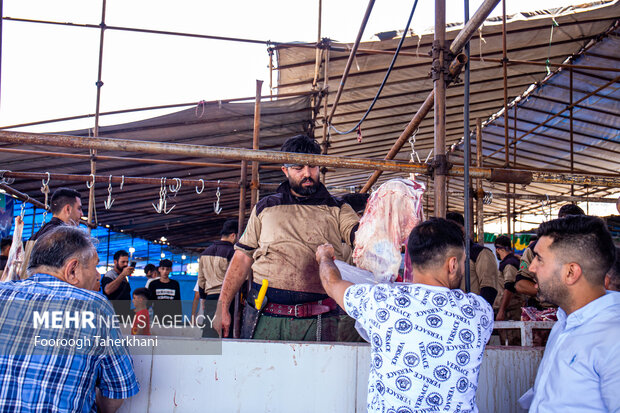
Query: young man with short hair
66	208
580	370
141	322
165	293
428	337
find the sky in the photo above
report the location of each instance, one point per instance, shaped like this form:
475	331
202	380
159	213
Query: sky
49	71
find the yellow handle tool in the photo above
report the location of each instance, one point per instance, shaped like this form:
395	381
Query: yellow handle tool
258	303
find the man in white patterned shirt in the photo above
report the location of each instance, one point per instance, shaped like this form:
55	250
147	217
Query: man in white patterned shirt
427	337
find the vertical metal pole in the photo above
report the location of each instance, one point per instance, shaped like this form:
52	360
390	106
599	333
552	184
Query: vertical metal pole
107	258
480	195
270	50
505	72
325	143
34	218
514	165
572	148
439	176
242	202
466	179
93	152
256	144
317	63
148	252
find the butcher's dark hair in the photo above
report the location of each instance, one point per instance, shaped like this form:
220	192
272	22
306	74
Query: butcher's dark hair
456	217
120	253
301	144
584	240
356	200
432	240
61	198
61	244
570	209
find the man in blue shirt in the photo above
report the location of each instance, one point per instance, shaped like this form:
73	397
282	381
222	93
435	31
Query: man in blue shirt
580	371
52	329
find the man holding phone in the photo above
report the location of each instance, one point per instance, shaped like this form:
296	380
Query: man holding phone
115	286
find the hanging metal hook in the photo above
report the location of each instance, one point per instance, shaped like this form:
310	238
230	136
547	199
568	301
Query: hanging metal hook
91	183
122	181
216	205
203	187
4	180
108	203
45	189
22	213
163	200
177	186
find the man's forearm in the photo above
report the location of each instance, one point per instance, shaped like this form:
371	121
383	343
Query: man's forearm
234	278
113	286
106	405
526	287
332	281
505	300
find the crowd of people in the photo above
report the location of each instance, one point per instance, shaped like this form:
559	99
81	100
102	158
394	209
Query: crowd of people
427	337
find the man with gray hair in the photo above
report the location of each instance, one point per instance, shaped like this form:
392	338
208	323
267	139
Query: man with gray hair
46	365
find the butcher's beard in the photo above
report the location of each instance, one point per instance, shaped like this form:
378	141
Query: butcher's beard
299	189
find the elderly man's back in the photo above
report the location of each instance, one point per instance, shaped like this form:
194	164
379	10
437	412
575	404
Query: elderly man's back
59	343
57	369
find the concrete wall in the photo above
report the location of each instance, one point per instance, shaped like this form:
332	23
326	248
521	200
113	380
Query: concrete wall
293	377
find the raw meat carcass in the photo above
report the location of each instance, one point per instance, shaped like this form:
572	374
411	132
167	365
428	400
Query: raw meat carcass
391	213
16	253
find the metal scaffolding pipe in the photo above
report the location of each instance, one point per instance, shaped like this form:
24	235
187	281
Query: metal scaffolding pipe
23	197
455	69
505	76
126	145
535	197
472	25
467	160
129	159
440	169
479	189
347	67
256	145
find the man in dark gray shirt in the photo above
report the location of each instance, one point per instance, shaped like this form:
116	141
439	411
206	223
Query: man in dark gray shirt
115	286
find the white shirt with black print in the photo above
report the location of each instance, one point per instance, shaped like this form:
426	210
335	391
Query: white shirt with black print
427	345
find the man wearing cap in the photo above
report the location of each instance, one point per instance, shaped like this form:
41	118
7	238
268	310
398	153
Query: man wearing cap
212	269
279	244
166	293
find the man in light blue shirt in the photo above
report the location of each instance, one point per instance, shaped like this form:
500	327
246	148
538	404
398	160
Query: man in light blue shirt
580	371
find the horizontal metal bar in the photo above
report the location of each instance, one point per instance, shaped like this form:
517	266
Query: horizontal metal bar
126	145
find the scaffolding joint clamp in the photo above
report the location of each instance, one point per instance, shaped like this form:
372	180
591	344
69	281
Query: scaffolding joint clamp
437	67
439	165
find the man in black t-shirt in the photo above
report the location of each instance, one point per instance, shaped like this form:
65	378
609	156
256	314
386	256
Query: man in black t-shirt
166	294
